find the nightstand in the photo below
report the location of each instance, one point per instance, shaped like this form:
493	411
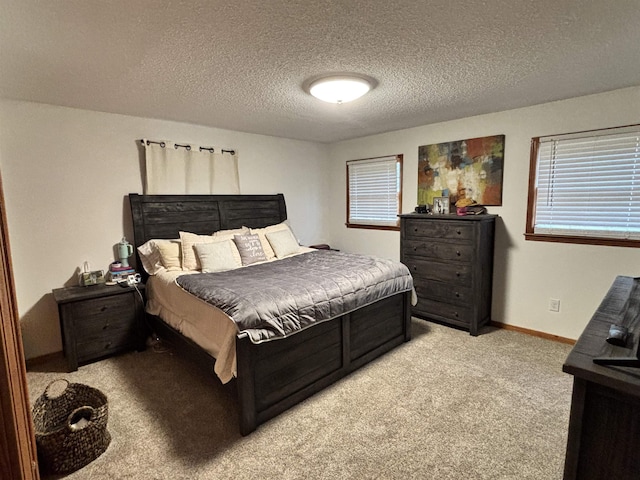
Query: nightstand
99	321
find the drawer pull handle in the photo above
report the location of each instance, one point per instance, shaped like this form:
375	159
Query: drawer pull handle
104	307
105	326
457	294
455	314
107	345
458	231
415	229
457	274
415	268
458	252
415	249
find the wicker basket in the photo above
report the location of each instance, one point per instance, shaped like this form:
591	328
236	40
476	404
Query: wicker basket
71	428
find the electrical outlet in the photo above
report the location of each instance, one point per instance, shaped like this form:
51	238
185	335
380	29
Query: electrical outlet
554	305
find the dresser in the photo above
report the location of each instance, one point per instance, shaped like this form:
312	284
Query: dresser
451	260
604	425
99	321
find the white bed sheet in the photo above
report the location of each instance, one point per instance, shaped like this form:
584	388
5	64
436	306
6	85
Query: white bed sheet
206	325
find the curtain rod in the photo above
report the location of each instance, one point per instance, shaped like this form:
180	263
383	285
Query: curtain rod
188	147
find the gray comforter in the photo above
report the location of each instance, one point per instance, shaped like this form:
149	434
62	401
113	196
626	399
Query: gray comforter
278	298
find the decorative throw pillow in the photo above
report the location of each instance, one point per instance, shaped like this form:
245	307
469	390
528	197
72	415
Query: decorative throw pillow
170	255
218	256
189	257
283	243
262	232
250	248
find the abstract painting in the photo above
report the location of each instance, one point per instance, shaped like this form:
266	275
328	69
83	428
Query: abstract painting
462	169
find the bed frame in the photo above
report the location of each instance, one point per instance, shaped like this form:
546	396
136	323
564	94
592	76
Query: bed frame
275	375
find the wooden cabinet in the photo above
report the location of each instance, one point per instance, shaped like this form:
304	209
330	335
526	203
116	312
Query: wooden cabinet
451	260
99	321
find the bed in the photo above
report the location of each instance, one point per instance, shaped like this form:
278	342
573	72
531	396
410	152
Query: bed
274	375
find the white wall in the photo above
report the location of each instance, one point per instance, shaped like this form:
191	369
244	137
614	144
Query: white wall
527	273
66	173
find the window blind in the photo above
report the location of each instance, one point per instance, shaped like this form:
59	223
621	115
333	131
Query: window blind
589	184
374	189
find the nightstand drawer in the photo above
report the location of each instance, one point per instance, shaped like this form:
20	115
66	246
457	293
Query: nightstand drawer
439	229
107	343
97	315
440	250
453	273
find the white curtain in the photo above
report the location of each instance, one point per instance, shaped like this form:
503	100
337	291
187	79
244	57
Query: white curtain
183	169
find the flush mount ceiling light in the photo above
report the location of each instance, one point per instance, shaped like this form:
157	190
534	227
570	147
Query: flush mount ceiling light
340	88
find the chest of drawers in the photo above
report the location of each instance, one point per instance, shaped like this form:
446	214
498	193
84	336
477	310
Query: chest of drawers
99	321
451	260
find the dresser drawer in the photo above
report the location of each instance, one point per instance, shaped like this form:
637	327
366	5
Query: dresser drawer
442	292
440	250
440	229
92	317
459	315
454	273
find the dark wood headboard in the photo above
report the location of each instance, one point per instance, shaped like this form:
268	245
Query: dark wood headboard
164	216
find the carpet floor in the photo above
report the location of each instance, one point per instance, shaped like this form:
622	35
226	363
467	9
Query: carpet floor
443	406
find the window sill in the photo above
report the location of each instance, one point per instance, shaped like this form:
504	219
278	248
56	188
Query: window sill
373	227
614	242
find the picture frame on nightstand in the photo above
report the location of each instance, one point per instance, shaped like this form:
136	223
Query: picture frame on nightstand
441	205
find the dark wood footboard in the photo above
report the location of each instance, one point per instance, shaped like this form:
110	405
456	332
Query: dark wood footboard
275	375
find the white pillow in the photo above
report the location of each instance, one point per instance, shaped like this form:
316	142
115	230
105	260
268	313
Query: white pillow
228	234
150	255
217	256
262	232
283	243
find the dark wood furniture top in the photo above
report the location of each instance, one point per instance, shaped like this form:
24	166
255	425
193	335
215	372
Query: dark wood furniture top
99	321
275	375
451	260
604	427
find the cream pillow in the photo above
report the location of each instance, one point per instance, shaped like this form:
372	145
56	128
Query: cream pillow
262	232
217	256
189	257
170	255
283	243
150	255
228	234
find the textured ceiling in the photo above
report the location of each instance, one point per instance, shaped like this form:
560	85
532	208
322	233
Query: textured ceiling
240	65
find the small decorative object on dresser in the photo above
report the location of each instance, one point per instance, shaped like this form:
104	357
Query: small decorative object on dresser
441	205
451	260
100	321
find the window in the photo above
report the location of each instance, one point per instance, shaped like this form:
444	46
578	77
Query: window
374	188
585	187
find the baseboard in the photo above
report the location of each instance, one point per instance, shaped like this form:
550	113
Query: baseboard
34	362
533	333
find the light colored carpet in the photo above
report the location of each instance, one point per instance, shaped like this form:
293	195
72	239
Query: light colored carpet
443	406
